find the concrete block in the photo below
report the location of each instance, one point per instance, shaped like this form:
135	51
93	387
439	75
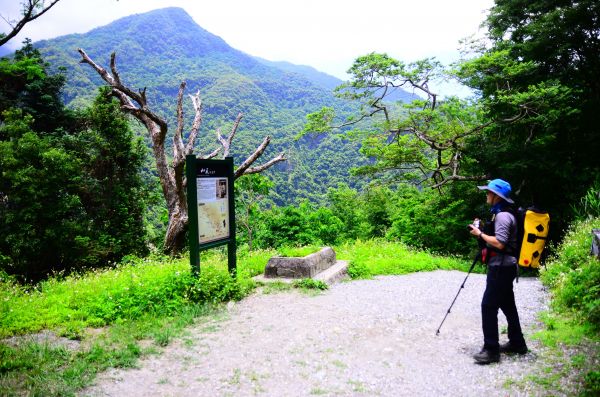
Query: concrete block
305	267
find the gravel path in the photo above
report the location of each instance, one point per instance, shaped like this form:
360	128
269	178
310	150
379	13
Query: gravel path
360	338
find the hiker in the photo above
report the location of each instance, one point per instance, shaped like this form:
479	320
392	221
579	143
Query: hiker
499	239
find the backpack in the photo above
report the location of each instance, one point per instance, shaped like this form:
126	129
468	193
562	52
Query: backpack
532	231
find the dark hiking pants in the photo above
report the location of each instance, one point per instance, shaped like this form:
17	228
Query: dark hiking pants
499	295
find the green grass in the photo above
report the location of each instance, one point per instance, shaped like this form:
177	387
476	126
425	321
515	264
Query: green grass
41	369
378	257
110	312
69	305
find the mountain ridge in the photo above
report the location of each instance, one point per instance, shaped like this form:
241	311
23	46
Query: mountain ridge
159	49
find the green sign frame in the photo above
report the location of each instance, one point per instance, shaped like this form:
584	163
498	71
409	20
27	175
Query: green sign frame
211	208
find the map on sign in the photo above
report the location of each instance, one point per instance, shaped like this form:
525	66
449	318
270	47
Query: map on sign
213	209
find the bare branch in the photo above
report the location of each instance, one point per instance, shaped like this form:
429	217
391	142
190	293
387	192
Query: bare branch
178	150
140	98
254	156
213	154
189	147
261	168
117	86
99	69
222	141
232	134
460	178
29	15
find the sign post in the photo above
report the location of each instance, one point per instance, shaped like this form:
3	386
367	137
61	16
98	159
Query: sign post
211	208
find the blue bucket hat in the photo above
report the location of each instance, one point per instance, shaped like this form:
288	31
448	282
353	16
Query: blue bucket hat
500	187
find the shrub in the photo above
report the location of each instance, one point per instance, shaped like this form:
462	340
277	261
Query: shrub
589	204
217	285
591	384
433	221
574	276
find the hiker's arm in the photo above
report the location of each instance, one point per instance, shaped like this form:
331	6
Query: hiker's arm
491	240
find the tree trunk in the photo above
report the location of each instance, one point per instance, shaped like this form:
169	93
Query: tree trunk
175	240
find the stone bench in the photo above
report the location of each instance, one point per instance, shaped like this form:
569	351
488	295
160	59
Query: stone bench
305	267
321	265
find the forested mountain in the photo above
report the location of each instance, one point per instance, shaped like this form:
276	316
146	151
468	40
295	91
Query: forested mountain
159	49
319	78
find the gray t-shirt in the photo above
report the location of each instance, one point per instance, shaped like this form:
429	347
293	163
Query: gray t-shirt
505	227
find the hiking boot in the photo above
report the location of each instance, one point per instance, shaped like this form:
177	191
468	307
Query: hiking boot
512	348
486	357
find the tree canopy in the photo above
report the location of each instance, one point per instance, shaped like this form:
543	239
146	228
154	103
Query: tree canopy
71	192
541	65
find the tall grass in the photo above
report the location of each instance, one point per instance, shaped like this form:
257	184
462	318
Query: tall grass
109	311
94	299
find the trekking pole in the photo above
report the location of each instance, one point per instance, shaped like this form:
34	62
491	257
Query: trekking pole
461	287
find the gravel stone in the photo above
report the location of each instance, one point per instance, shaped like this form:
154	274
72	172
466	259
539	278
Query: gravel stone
360	338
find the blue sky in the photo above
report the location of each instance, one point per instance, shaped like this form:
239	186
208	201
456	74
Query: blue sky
325	34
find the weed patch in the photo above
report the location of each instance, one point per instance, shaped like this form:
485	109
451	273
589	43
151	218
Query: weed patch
310	284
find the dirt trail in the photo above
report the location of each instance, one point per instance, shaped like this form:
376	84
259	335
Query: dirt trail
369	337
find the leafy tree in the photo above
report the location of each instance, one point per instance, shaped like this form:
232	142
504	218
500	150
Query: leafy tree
70	197
376	207
437	222
416	142
299	225
346	204
42	219
325	226
286	226
115	196
25	84
540	68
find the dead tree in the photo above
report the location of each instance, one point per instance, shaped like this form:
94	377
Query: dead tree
172	176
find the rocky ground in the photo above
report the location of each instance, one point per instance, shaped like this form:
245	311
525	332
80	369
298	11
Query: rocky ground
360	338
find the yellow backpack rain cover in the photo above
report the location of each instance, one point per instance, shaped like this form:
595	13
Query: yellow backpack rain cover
535	232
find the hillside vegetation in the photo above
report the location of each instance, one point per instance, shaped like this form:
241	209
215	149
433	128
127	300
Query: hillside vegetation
160	49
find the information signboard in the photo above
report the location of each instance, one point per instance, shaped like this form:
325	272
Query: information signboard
211	207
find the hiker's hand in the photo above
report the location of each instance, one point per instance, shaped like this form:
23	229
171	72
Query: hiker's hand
475	230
